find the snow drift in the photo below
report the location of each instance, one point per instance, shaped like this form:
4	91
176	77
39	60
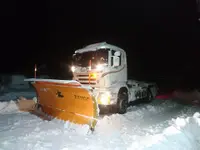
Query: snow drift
143	127
183	134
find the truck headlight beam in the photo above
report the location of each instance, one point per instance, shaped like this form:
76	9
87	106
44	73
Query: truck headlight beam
104	98
73	68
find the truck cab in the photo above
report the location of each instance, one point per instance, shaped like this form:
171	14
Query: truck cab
99	65
103	67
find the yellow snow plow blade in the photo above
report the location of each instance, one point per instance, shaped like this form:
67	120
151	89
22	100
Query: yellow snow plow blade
66	100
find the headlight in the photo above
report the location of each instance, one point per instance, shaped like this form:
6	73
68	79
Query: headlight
104	98
73	68
99	67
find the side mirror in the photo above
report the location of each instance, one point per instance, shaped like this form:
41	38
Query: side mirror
116	61
117	53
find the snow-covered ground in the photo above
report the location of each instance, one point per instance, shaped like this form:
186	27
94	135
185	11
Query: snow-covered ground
162	124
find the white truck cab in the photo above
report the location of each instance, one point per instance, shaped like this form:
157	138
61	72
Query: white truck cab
104	67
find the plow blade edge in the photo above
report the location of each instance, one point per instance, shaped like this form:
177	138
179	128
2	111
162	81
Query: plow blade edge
66	100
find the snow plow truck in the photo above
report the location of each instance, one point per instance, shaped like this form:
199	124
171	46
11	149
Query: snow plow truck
100	80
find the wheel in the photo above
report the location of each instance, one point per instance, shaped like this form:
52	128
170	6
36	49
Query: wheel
149	96
122	102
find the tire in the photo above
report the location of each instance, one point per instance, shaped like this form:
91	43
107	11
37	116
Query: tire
122	102
149	96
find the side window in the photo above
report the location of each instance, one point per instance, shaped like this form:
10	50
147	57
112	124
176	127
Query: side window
120	57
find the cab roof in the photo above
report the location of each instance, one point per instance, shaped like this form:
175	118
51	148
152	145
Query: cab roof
96	46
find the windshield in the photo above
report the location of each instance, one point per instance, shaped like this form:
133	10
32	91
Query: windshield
96	57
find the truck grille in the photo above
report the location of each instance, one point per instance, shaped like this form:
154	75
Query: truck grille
84	79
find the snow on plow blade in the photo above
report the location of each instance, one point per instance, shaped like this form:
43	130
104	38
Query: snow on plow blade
66	100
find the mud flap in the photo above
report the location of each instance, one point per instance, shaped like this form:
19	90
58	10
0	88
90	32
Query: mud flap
68	101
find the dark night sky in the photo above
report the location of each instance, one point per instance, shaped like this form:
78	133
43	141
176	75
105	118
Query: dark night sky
160	37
